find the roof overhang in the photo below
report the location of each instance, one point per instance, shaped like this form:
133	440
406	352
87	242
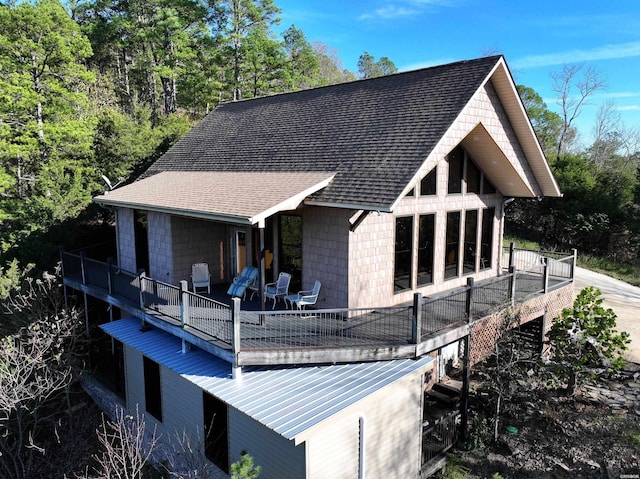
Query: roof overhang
234	197
502	81
495	164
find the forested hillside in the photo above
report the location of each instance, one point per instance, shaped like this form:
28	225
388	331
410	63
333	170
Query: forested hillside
93	91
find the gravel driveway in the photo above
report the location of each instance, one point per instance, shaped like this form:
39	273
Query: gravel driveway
623	298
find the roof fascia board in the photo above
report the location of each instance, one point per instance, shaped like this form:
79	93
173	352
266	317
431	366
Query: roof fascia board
293	202
242	220
348	206
520	121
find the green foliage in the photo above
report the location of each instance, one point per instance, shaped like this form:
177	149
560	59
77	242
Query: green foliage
584	339
244	468
368	67
11	277
453	469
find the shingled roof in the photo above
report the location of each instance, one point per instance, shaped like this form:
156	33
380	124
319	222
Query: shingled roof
373	134
361	144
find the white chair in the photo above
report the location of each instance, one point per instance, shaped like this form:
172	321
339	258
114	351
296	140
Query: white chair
279	289
307	298
200	277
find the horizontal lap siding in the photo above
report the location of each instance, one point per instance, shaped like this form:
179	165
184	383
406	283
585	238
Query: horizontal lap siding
392	435
278	457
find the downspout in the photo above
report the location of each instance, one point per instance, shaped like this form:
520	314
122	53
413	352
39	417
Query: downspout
503	207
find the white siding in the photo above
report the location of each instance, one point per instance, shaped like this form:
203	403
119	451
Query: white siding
392	435
278	457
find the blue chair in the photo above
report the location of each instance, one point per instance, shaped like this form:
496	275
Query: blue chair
247	278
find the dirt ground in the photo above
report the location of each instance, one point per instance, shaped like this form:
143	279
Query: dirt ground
593	435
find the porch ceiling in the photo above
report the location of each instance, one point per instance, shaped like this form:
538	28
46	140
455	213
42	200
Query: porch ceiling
234	197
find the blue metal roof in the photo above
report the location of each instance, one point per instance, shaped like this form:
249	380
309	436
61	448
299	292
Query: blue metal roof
288	400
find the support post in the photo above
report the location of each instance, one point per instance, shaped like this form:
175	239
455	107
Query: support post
545	275
416	319
512	259
512	285
184	303
64	288
573	264
262	269
235	338
464	398
109	276
84	294
469	299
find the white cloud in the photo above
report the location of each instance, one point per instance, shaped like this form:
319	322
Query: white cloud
404	8
426	64
628	108
605	52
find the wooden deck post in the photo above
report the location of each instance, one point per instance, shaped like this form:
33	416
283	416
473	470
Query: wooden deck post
236	371
416	319
545	275
464	396
573	265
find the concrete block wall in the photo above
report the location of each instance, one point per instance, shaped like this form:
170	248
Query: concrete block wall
126	239
325	254
160	249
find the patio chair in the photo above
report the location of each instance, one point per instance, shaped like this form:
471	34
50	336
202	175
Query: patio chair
200	277
306	298
278	289
248	278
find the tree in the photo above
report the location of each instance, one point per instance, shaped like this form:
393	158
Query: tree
38	366
584	341
43	90
368	67
546	124
574	86
304	66
237	19
244	468
332	70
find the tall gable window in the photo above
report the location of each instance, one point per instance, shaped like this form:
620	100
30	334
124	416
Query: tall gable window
426	234
470	241
403	253
486	238
453	245
152	388
463	170
428	183
456	168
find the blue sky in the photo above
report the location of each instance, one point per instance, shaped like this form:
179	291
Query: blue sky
536	38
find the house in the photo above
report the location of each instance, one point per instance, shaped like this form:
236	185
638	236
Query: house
391	192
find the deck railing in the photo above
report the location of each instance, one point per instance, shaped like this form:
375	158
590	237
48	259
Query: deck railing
240	330
440	437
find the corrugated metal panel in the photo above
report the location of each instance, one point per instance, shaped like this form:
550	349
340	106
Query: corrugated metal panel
287	400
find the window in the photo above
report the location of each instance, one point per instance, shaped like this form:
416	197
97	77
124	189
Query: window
470	242
426	233
453	245
456	165
412	192
428	184
487	187
216	440
291	249
403	253
486	241
473	177
152	389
